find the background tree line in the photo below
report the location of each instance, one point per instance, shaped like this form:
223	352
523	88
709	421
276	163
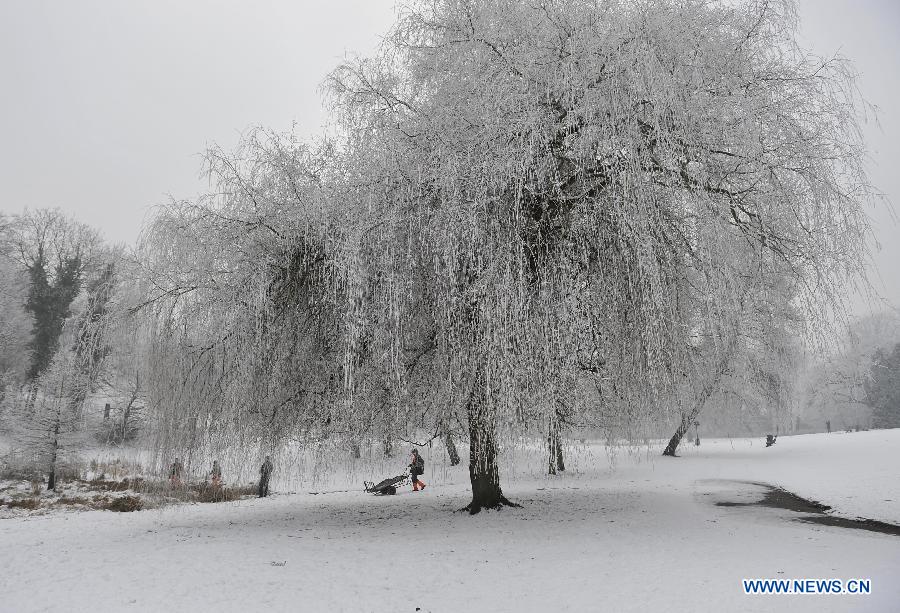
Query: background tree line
65	337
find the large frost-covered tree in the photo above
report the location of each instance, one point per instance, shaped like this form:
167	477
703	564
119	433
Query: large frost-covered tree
519	201
577	177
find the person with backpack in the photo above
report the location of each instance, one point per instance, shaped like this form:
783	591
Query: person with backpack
175	472
215	475
416	468
265	471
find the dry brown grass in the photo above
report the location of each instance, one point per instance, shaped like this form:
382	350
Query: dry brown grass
20	472
29	504
101	502
68	501
108	485
100	493
208	493
125	504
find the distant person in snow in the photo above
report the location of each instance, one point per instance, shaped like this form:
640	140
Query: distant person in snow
175	472
215	475
416	468
265	471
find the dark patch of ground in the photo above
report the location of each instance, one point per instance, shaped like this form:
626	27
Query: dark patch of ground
871	525
779	498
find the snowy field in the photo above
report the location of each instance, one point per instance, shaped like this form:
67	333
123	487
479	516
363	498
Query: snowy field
645	535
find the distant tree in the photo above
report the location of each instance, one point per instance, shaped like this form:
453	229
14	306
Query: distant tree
56	252
46	423
836	380
91	343
50	420
68	281
15	326
883	388
122	378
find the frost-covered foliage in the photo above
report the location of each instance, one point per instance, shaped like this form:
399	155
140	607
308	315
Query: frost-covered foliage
745	372
243	313
883	388
527	216
838	380
56	254
15	326
45	417
65	279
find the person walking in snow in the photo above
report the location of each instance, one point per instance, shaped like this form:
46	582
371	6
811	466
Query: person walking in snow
265	471
175	472
215	475
416	468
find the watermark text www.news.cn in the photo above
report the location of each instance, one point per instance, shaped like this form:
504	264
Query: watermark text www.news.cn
807	586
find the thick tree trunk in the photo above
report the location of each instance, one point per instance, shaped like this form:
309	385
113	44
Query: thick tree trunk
483	471
354	450
451	448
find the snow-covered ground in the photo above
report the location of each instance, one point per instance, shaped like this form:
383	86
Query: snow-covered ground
643	537
856	473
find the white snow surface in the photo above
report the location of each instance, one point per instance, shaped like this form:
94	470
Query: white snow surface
642	535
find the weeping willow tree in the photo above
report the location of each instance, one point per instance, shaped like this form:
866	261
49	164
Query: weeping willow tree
520	201
585	185
244	322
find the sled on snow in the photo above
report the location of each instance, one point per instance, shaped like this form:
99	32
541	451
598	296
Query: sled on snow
388	487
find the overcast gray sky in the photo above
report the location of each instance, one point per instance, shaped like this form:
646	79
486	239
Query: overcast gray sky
105	105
